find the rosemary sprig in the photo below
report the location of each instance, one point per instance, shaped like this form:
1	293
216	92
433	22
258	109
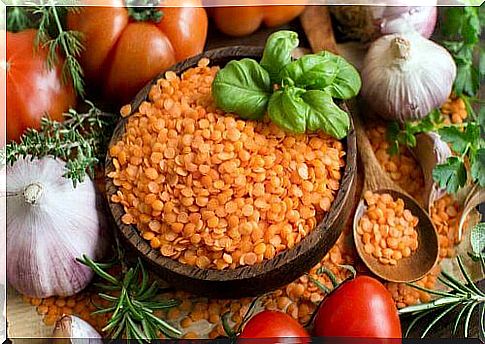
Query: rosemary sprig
81	140
465	295
55	38
132	302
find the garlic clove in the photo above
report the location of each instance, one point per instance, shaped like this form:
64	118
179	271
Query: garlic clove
430	151
73	330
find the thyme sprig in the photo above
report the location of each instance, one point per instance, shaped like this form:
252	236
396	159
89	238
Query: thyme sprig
52	35
132	299
465	296
80	140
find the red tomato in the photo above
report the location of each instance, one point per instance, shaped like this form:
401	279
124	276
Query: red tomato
32	89
361	307
278	325
122	54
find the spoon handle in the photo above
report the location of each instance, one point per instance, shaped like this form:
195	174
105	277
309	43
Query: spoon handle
375	177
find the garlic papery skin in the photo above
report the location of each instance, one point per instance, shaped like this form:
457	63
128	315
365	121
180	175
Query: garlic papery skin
430	151
405	76
73	330
50	224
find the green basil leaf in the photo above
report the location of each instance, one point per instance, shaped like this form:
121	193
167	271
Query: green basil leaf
311	72
277	52
297	111
287	110
242	87
325	115
347	83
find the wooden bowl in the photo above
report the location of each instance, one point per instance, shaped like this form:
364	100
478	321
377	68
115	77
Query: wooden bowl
245	280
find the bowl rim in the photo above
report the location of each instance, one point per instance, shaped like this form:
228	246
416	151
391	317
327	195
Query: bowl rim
240	273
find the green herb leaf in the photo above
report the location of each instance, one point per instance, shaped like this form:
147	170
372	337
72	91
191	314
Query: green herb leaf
297	111
450	175
81	140
458	139
325	115
287	109
347	82
277	52
311	72
478	167
482	63
466	81
453	21
242	87
471	25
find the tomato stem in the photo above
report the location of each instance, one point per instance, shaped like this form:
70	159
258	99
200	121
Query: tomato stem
144	10
330	274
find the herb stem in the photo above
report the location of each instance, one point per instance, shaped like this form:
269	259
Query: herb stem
425	306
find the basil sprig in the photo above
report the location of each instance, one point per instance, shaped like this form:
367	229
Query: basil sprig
296	94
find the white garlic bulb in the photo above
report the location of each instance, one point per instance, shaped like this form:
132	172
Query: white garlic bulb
74	330
50	224
405	76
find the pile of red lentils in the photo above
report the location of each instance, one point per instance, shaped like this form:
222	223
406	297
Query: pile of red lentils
201	318
387	230
214	191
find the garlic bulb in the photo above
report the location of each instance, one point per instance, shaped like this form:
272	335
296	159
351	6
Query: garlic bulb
405	76
430	151
367	23
50	224
74	330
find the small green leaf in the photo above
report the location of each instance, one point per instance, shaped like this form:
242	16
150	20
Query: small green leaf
478	167
311	72
482	63
325	115
477	239
451	174
471	27
296	111
467	80
453	21
277	52
347	83
242	87
288	110
481	118
458	139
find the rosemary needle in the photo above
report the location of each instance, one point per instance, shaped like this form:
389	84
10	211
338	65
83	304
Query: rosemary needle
133	303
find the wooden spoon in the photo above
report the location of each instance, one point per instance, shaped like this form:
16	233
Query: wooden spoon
426	256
